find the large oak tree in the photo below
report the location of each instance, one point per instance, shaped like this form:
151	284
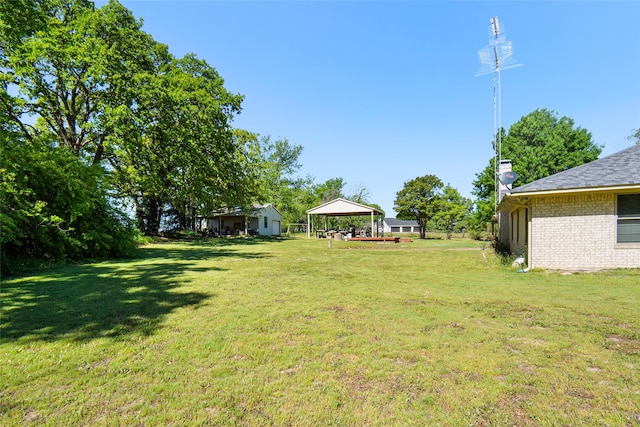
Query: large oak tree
90	81
73	72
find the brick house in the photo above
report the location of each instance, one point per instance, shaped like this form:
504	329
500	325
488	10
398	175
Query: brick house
584	218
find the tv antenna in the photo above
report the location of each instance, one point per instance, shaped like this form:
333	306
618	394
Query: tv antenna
495	57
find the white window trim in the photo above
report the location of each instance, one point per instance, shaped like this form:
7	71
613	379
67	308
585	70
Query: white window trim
624	245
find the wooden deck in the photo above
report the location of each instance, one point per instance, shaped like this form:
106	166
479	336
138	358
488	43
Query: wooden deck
374	239
380	239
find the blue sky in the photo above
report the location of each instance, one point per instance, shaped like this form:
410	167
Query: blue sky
379	93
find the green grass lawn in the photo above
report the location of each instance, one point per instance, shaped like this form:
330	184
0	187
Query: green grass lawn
291	332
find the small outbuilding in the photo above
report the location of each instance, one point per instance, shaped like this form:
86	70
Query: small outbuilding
393	225
584	218
264	220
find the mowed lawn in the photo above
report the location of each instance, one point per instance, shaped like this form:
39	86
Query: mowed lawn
290	332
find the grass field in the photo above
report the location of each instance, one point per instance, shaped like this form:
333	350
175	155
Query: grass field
290	332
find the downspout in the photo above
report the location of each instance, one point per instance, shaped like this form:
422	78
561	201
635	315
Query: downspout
529	239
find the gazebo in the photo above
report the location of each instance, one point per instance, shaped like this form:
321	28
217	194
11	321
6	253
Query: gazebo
342	207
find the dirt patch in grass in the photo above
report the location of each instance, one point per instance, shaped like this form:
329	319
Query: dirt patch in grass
624	344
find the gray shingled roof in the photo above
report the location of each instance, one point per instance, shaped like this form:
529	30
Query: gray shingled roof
621	168
393	222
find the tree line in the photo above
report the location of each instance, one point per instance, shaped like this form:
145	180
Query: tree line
99	121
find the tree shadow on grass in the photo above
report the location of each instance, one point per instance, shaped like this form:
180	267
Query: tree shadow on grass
108	299
237	241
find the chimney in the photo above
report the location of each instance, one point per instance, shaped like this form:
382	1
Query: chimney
505	166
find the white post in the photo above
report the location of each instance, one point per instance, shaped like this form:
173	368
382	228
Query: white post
371	224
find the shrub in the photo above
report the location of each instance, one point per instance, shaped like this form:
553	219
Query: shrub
54	208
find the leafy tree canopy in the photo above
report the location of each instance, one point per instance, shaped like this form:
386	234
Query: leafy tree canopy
452	210
418	200
73	70
176	151
539	145
90	80
278	163
329	190
635	136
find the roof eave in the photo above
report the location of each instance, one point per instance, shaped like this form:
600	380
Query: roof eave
576	190
516	200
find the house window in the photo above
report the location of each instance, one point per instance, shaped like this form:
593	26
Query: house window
265	222
629	218
526	225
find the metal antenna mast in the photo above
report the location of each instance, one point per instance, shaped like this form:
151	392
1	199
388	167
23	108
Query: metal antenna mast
495	57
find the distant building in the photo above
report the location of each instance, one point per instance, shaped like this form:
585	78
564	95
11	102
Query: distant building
392	225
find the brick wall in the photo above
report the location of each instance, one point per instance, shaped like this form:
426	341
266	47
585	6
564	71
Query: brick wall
578	232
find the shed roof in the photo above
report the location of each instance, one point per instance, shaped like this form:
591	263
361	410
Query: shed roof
618	169
237	211
393	222
342	207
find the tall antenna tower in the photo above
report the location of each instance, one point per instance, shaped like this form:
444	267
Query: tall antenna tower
495	57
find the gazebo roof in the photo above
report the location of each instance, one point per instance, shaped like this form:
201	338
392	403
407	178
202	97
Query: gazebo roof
342	207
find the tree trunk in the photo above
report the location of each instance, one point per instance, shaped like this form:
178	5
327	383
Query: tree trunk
154	214
148	215
97	158
140	217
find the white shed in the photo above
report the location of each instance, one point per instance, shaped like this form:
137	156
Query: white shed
263	220
269	221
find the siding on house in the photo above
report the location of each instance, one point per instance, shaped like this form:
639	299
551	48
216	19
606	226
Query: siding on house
577	232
